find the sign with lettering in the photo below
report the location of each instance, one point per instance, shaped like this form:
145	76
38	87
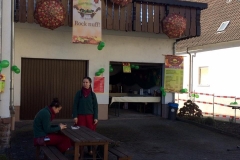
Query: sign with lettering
173	78
98	84
2	83
0	25
126	67
87	19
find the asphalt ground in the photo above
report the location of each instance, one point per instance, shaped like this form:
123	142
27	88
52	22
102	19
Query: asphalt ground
143	137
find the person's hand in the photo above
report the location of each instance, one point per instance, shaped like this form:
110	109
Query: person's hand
75	120
95	121
62	126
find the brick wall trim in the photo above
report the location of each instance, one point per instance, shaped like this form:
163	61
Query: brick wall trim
5	120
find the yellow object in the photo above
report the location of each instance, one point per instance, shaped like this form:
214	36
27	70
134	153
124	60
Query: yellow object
2	82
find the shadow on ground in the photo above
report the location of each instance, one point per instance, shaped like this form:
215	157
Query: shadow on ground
144	137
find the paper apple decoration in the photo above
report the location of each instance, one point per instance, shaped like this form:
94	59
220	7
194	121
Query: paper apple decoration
122	3
50	13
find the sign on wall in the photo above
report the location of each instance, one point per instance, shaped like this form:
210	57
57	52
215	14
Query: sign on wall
87	19
2	83
173	75
98	84
126	67
1	27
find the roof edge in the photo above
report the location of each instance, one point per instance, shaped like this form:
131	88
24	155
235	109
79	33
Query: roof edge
199	5
208	47
185	38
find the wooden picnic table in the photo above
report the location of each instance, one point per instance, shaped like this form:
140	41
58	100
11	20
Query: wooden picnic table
86	137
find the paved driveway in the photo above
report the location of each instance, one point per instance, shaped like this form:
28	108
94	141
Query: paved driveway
146	137
154	138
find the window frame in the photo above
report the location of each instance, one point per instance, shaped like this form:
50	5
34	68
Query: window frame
199	77
223	26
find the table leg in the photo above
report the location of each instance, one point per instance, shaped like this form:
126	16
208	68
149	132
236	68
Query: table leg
94	148
144	109
105	152
81	148
37	152
235	115
118	108
76	152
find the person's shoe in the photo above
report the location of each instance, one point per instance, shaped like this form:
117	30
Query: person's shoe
90	153
70	150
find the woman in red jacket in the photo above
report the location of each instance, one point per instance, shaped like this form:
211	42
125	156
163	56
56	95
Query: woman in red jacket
47	134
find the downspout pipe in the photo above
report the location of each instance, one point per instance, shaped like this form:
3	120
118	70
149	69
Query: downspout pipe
174	47
11	107
174	53
1	39
190	72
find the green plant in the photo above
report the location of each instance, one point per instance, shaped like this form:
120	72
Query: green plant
233	103
199	120
209	121
3	157
231	119
190	110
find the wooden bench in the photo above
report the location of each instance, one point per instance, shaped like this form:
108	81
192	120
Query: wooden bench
50	152
119	153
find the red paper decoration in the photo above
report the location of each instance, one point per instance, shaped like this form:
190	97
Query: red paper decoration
122	3
50	13
174	25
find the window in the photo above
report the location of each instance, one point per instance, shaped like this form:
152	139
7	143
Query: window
223	26
203	76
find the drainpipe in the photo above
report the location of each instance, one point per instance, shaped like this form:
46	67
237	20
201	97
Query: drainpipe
174	48
174	53
1	12
190	73
11	108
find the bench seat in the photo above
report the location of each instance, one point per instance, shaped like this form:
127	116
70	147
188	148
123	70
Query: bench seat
52	153
119	153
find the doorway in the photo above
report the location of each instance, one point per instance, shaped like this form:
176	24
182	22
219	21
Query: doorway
144	80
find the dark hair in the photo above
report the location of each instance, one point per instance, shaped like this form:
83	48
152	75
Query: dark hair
55	102
88	78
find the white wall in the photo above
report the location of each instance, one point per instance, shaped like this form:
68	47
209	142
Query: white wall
224	79
33	41
6	49
223	71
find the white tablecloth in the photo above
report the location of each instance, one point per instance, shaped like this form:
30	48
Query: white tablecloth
136	99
